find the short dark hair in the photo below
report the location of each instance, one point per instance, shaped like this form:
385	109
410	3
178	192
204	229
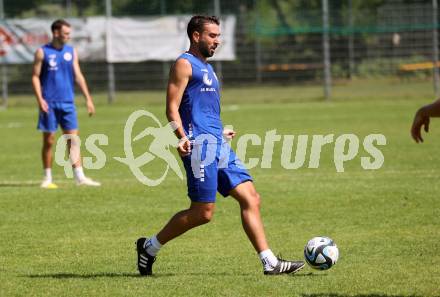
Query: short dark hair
58	24
197	23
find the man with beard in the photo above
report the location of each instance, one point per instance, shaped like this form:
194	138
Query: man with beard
193	106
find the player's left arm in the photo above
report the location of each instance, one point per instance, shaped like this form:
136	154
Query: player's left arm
229	133
81	81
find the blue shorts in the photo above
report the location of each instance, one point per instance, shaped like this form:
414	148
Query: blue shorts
60	113
210	168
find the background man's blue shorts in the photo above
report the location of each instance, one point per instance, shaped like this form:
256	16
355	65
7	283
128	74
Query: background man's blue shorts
60	113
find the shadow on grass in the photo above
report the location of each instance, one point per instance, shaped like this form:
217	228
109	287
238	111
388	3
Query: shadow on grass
309	274
19	184
233	274
360	295
65	275
121	275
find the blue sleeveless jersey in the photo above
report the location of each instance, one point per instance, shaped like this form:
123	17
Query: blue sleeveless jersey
200	105
57	75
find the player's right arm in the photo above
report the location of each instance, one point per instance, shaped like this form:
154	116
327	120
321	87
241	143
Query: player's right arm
180	75
36	83
421	119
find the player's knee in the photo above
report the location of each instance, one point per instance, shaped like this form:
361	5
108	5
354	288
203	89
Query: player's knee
49	141
253	200
256	199
205	217
205	214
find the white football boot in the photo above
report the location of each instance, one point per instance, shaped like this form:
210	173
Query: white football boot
48	184
86	181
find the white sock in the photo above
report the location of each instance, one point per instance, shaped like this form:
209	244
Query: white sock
79	173
268	259
48	174
152	246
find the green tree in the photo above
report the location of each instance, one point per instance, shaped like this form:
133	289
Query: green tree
14	8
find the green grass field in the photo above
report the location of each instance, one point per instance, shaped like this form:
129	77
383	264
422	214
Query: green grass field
80	241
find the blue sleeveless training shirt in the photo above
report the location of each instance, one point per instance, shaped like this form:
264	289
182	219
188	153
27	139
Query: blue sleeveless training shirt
200	105
57	75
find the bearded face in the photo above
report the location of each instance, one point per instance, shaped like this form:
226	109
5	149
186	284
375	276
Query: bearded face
208	40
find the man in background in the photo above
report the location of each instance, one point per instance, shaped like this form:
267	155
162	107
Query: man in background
55	69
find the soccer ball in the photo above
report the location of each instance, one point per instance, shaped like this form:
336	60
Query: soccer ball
321	253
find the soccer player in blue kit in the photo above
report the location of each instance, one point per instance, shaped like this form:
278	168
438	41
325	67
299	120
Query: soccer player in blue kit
55	69
193	105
